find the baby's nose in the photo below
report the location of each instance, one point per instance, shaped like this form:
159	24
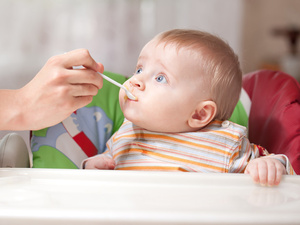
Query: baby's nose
136	83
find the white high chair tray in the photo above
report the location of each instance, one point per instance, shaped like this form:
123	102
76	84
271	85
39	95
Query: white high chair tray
55	196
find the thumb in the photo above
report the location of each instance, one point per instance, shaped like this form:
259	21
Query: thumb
100	67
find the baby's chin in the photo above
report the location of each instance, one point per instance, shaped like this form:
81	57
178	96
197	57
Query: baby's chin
132	118
145	126
135	120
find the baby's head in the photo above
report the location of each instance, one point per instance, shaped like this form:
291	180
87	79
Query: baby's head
184	79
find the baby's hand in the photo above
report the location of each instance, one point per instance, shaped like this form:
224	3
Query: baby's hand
266	171
100	162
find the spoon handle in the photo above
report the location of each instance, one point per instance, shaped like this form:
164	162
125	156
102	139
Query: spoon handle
112	81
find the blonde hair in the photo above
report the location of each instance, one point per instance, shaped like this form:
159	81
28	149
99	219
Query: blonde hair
218	62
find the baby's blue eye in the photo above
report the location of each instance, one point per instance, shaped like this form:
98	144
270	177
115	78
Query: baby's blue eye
138	71
161	79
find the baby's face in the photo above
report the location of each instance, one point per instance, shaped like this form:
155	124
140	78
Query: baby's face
168	86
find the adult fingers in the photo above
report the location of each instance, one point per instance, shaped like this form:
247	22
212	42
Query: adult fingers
81	101
78	90
80	57
85	76
100	65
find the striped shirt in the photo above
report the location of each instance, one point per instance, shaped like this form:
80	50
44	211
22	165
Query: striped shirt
221	147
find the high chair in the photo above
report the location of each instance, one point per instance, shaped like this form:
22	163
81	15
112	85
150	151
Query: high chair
269	106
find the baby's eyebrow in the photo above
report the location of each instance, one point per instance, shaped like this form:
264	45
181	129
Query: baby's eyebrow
158	62
163	66
142	57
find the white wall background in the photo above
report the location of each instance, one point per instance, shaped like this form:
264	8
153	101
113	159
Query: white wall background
259	46
114	31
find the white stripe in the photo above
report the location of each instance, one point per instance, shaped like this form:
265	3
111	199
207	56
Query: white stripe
70	148
70	126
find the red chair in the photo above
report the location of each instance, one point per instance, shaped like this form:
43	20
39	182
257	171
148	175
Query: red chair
274	120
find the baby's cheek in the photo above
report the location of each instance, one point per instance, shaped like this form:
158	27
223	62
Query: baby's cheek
122	97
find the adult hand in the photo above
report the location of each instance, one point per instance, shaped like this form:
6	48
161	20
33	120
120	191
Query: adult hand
54	93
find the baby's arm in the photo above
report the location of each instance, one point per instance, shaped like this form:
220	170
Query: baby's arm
266	170
100	162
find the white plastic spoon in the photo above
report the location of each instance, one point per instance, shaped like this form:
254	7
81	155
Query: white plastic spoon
128	93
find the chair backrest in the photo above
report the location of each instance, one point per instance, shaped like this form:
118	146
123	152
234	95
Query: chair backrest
274	120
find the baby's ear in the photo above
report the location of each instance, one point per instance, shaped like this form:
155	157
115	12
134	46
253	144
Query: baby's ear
203	114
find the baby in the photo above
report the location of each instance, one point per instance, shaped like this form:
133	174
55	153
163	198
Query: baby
187	84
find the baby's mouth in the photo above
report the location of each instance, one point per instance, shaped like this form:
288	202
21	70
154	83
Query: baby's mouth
131	92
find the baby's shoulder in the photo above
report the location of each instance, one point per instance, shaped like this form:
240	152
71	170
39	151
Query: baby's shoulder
225	129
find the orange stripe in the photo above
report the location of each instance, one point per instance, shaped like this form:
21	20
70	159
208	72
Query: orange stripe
173	139
225	133
292	172
170	158
234	156
118	137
